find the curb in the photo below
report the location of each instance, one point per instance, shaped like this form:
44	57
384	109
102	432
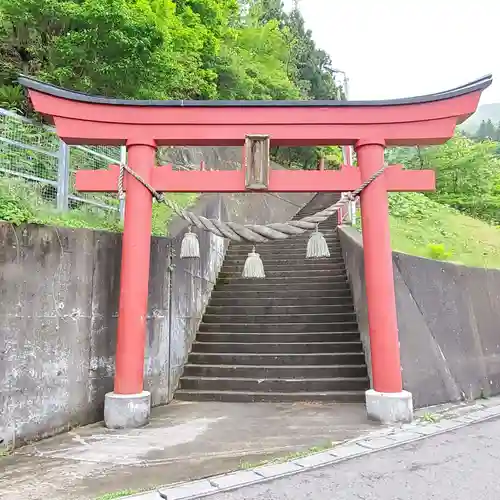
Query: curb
379	440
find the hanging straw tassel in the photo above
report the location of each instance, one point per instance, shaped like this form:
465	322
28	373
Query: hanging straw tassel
190	246
254	268
317	246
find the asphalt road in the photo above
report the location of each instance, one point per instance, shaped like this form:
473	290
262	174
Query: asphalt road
460	465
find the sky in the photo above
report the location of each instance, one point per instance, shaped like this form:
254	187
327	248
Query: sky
404	48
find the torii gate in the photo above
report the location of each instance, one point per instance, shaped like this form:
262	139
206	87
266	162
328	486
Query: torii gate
369	126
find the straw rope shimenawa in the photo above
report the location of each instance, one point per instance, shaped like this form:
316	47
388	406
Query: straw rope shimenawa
253	233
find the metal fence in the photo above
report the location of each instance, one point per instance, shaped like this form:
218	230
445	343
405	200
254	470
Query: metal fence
32	154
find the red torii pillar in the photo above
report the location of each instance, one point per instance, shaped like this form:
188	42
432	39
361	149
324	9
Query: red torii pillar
370	126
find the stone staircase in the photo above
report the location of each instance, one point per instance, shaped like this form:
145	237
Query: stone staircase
292	336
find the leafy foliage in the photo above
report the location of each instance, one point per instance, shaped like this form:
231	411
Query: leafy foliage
467	174
308	67
165	49
252	64
23	202
15	202
187	49
437	251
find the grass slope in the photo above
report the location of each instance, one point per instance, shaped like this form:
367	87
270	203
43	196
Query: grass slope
420	226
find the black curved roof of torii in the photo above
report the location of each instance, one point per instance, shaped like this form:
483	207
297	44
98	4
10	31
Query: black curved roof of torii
46	88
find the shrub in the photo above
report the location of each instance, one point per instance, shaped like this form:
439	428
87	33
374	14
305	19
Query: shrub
437	251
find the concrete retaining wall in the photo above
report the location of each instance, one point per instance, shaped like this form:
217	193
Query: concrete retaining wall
449	323
58	312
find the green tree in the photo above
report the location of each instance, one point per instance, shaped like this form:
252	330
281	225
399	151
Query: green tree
104	46
136	49
467	174
252	64
306	66
310	67
464	166
481	131
165	49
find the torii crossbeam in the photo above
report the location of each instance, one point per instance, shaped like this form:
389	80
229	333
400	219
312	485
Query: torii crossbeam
165	179
369	126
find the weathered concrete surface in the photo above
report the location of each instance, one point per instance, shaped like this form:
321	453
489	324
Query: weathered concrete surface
460	465
127	411
58	312
389	408
59	301
448	319
184	441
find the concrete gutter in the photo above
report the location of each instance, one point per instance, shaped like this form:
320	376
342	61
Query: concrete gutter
428	425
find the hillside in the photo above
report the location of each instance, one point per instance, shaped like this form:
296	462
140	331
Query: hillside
420	226
485	112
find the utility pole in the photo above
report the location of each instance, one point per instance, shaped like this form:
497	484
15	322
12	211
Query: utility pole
347	150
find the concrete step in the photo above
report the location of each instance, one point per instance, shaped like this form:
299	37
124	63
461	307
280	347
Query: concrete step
304	266
221	358
332	239
229	310
313	276
289	273
278	349
280	338
328	230
228	300
274	384
298	254
313	210
332	291
271	397
330	223
301	240
284	271
274	290
341	327
284	246
283	262
292	336
316	207
294	289
326	226
255	284
299	372
281	318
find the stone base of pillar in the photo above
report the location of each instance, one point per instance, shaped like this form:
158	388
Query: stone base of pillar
389	408
127	411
